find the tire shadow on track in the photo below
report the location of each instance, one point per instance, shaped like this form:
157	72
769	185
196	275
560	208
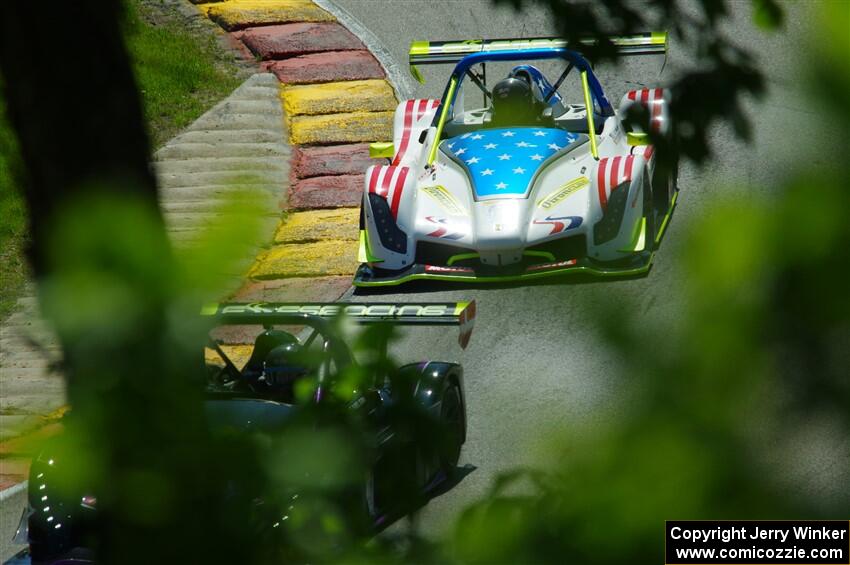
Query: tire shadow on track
439	487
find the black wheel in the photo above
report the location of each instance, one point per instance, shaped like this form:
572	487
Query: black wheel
369	499
453	422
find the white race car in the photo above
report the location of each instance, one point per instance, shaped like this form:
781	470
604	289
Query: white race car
528	184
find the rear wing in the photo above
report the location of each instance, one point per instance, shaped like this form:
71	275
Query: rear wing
450	52
296	313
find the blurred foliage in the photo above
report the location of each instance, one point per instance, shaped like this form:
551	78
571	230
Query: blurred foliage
710	90
714	399
737	406
182	70
13	218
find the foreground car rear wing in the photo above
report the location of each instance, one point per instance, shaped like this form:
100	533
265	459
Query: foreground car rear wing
315	313
450	52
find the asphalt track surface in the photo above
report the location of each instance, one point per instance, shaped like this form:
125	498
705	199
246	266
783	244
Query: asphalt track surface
532	367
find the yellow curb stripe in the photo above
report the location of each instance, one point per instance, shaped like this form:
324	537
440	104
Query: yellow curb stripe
318	225
238	355
314	243
55	415
320	258
341	128
237	13
372	95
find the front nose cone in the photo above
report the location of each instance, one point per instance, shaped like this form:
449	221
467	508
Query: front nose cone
500	233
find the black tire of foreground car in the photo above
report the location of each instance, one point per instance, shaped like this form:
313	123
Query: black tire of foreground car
452	418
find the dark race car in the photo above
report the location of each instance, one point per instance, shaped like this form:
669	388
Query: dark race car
263	397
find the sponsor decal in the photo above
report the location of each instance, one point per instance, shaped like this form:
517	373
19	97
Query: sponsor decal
442	231
352	310
547	266
563	223
445	199
441	269
559	194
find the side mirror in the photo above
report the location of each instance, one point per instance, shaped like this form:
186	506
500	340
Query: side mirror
381	150
637	138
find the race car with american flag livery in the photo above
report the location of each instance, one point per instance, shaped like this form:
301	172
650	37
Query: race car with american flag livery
518	181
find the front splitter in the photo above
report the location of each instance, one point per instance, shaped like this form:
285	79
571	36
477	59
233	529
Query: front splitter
369	277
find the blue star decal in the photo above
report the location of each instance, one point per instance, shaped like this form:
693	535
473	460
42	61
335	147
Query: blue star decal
508	170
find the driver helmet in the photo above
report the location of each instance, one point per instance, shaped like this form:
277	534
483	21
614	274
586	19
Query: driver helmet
284	364
512	96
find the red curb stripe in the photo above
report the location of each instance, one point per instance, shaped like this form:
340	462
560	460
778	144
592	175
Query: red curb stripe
327	66
325	160
327	192
287	40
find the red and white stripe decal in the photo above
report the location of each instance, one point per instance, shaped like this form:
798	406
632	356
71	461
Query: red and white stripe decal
425	106
611	173
655	103
645	150
413	112
653	99
388	182
405	132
